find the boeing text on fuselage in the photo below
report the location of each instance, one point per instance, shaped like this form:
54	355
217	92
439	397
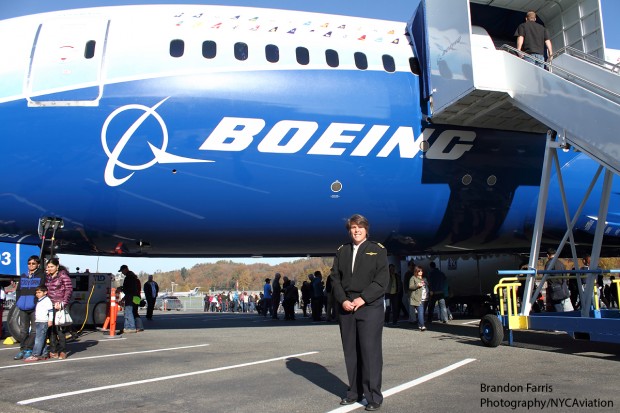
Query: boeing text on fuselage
235	134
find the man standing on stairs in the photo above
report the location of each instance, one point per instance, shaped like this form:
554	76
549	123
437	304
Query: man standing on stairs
532	38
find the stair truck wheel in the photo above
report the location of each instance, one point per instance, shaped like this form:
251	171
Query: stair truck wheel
491	331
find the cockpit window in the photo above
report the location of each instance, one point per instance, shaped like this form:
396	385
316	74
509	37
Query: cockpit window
272	53
331	57
303	55
209	49
177	48
89	50
241	51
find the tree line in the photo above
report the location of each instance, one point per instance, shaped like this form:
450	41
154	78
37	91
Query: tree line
229	275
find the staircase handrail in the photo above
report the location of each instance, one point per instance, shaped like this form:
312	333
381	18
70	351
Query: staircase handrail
568	75
597	61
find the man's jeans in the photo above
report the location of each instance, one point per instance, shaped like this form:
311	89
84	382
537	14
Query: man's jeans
443	313
130	322
528	58
27	329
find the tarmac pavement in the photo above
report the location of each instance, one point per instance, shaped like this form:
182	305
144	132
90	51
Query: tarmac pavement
199	362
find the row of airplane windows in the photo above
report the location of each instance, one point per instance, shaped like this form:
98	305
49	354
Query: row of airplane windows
272	54
302	55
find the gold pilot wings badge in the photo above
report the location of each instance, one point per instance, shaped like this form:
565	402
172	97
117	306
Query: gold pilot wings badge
371	253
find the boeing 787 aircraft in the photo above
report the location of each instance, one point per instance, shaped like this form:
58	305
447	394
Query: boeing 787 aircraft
201	130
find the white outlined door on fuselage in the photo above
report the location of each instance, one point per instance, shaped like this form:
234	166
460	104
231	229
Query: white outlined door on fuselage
66	62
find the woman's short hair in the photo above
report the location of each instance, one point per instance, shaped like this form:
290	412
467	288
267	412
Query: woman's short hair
358	220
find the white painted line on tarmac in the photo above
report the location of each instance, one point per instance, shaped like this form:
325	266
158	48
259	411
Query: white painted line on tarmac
407	385
208	316
471	322
156	379
71	343
224	317
38	363
104	340
117	337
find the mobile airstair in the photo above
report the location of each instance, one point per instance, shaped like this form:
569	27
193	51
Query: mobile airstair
575	98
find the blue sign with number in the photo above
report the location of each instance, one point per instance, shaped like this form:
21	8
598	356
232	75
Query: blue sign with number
14	257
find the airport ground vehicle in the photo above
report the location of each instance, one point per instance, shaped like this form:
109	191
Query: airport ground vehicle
590	322
91	294
168	303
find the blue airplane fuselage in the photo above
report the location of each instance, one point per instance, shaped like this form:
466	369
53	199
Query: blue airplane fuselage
257	158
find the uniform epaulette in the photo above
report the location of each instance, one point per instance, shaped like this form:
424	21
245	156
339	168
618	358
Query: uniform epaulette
378	243
340	247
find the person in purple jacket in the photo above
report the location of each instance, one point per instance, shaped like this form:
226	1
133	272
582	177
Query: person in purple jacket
59	290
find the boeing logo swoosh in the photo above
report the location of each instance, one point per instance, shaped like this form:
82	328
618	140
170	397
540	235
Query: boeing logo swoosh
159	154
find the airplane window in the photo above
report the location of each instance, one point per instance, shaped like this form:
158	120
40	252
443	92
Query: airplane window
209	49
303	56
331	57
272	53
361	62
241	51
414	64
89	51
388	63
177	48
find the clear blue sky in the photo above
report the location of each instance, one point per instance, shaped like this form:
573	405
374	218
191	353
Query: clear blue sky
611	22
389	10
400	10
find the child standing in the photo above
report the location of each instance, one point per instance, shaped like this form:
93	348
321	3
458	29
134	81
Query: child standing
43	319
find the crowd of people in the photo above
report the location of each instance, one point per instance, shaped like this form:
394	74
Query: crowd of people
563	289
279	295
231	301
314	293
422	290
425	290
